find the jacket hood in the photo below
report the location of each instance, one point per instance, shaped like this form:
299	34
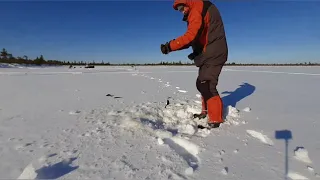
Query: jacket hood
189	3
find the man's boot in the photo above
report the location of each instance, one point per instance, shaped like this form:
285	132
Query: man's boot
203	113
215	111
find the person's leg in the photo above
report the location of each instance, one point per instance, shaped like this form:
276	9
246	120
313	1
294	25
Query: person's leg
203	88
207	82
214	103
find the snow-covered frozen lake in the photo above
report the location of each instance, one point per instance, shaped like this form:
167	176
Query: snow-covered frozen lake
113	123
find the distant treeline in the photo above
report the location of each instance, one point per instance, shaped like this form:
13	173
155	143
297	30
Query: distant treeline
6	57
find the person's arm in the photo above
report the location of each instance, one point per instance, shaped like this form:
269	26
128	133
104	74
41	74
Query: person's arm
184	41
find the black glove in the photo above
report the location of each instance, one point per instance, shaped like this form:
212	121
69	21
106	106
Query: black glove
191	56
165	48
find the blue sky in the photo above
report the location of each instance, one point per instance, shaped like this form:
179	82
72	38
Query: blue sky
132	31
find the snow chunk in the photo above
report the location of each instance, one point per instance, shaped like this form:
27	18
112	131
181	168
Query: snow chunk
231	115
301	154
160	141
263	138
186	149
232	112
182	91
296	176
188	129
224	171
310	168
247	109
187	145
28	173
189	171
163	134
203	132
198	102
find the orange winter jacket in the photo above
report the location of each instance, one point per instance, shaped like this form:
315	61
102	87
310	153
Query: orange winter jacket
205	33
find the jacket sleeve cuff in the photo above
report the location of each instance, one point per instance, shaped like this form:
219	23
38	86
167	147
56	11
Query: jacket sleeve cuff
170	46
173	45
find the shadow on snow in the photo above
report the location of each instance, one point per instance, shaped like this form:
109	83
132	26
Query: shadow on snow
56	170
237	95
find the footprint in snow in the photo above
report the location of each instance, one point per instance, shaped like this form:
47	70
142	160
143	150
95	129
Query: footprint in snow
25	147
166	159
74	112
222	152
87	134
14	139
44	145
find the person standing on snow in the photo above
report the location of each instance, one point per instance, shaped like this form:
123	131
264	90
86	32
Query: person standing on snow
206	35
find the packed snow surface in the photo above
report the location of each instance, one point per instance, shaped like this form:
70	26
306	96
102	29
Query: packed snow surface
136	123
